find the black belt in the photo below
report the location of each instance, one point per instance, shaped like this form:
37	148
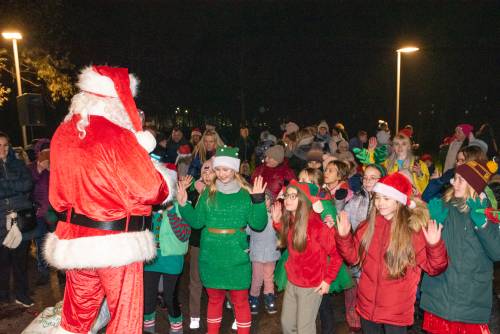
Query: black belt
135	224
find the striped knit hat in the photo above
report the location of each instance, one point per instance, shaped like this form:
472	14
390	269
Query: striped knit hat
477	174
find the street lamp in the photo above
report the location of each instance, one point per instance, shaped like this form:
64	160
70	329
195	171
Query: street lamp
14	36
399	51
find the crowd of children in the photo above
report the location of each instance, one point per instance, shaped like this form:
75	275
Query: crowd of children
365	216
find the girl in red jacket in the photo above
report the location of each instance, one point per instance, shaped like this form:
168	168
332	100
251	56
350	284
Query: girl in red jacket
310	242
392	247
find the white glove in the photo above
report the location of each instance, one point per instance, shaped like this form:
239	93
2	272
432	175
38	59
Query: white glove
13	238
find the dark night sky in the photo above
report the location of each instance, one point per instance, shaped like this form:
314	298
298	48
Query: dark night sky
304	61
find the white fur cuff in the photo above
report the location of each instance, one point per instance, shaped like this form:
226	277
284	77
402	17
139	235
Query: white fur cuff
112	250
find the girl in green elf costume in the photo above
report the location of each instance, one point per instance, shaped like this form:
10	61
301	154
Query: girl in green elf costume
225	209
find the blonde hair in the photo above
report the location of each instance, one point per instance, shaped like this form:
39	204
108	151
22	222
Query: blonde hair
400	254
200	149
392	160
299	221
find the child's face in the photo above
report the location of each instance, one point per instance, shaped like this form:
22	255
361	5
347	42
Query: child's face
370	178
343	147
304	177
314	164
224	174
401	147
331	174
460	159
270	162
322	131
386	206
291	199
460	186
208	176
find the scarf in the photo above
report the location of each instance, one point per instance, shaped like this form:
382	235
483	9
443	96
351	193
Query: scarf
231	187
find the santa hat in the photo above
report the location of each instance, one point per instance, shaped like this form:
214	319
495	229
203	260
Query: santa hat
407	132
184	151
106	81
227	157
466	129
311	191
196	132
426	157
397	187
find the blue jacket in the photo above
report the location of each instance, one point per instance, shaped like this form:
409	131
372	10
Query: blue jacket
436	187
15	187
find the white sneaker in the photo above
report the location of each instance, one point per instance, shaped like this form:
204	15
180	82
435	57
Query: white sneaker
195	323
234	327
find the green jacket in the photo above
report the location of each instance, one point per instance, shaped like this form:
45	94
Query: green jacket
224	260
464	291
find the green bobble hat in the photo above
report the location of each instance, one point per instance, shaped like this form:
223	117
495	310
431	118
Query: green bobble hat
227	157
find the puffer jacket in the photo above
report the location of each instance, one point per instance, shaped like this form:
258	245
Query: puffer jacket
380	298
358	208
463	292
15	187
275	177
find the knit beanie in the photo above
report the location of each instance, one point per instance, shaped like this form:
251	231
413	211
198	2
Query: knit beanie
396	186
323	124
291	127
477	174
314	155
276	152
466	129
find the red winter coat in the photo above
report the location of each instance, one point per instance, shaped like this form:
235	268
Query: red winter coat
275	177
381	299
310	267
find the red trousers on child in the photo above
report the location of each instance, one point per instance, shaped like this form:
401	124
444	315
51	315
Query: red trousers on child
239	299
86	289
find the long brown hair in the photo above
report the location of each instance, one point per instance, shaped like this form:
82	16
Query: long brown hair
298	221
400	254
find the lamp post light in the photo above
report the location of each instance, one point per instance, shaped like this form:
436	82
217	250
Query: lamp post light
14	36
398	79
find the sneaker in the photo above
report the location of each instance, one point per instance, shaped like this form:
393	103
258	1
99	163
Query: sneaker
195	323
24	301
270	303
234	326
254	304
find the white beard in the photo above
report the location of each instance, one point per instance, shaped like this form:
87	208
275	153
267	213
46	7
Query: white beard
86	104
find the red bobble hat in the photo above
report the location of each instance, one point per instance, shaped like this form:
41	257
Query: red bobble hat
407	132
397	187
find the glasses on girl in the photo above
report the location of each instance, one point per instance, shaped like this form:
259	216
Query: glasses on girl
290	196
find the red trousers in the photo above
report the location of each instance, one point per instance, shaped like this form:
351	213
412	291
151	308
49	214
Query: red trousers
86	289
239	298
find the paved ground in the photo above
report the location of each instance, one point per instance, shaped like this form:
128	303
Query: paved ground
13	319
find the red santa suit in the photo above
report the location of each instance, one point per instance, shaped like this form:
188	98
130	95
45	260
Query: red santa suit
102	184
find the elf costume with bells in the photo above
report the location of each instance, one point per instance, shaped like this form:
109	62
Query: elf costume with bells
102	185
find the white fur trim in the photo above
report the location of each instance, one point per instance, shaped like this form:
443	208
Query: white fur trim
170	176
391	192
229	162
91	81
318	207
112	250
412	205
146	140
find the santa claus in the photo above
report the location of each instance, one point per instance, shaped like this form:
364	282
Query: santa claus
103	185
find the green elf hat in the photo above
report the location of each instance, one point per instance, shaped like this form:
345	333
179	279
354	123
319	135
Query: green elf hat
227	157
311	191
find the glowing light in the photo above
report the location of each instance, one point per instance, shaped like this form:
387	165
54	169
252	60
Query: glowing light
12	35
408	49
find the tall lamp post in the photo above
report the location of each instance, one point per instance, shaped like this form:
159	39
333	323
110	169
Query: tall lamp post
14	36
398	80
